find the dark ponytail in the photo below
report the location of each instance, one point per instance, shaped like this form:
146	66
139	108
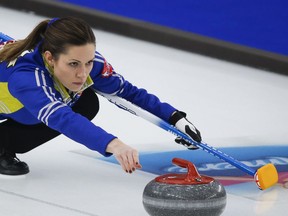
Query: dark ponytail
52	35
13	50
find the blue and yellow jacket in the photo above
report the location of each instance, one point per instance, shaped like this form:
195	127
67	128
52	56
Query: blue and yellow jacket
29	94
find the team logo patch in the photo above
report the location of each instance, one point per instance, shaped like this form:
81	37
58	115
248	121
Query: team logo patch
107	70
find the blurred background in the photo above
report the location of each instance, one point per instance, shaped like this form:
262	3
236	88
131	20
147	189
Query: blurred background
252	33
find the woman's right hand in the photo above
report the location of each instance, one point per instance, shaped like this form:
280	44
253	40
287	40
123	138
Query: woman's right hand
125	155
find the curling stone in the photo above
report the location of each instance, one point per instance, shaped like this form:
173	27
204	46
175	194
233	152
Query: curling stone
184	194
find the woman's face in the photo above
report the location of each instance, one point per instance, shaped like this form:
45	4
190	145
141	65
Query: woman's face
73	67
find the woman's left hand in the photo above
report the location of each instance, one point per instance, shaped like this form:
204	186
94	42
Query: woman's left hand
125	155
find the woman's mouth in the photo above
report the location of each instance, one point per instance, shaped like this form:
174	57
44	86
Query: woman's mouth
78	83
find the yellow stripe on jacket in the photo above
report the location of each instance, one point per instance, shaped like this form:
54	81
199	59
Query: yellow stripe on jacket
8	103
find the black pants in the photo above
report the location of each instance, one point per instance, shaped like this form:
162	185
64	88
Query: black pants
20	138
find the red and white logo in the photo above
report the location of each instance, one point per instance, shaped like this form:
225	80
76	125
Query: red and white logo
107	70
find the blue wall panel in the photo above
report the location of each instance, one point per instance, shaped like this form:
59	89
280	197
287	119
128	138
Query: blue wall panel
260	24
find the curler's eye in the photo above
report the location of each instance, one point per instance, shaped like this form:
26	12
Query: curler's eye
73	64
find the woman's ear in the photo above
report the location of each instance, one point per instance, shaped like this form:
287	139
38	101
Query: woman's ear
49	58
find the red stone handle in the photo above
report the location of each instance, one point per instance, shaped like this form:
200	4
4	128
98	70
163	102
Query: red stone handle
192	173
192	177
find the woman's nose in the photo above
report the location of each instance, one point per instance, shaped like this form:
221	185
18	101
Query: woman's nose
82	73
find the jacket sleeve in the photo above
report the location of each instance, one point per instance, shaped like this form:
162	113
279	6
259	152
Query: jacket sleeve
106	80
36	92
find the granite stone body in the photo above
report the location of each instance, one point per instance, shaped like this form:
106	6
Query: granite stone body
184	194
186	200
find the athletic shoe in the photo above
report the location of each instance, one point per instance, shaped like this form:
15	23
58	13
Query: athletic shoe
11	165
